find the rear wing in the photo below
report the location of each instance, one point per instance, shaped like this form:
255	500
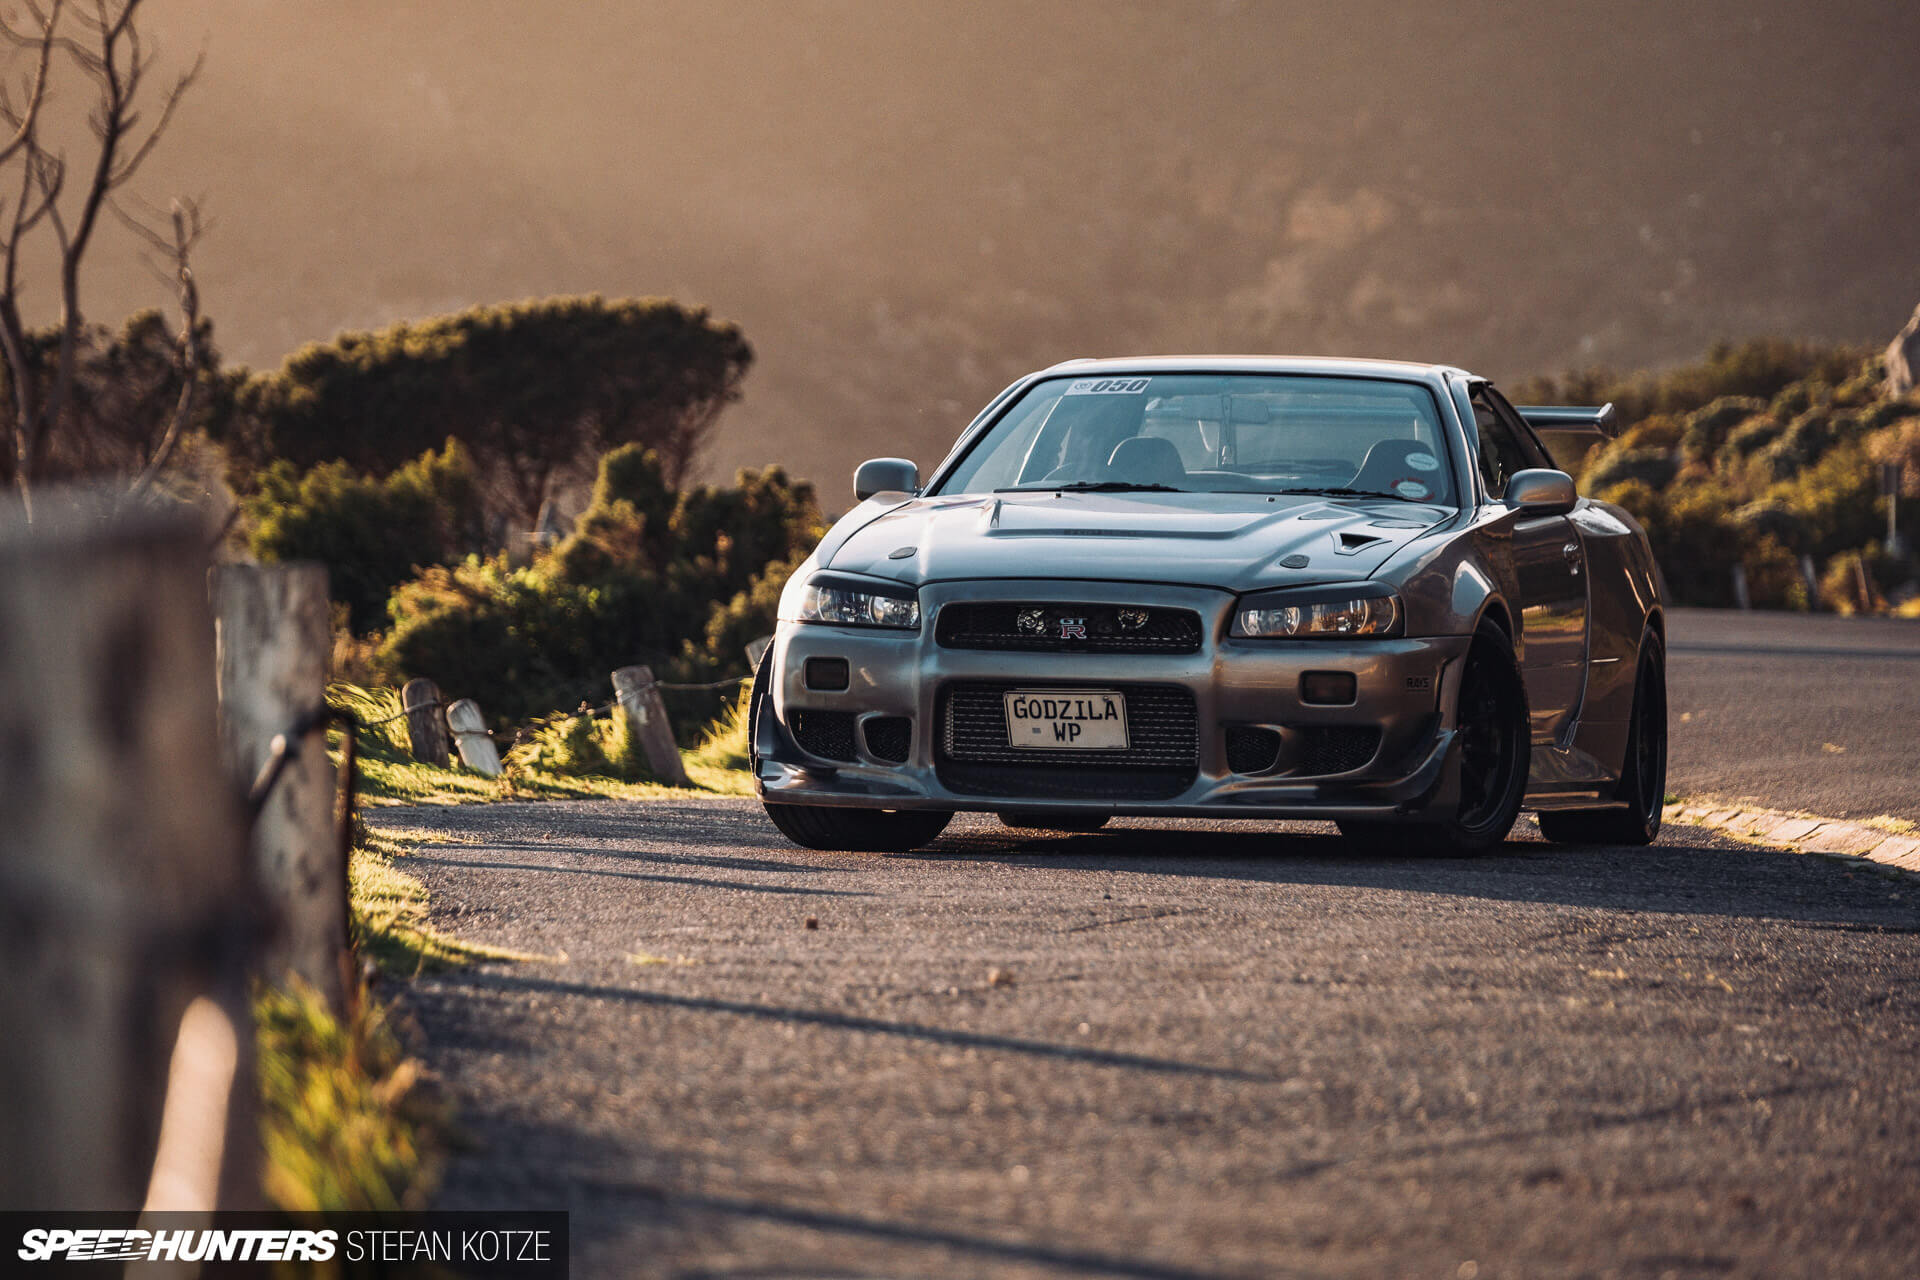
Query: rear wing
1563	417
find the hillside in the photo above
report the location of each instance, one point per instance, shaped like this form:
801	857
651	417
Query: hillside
904	207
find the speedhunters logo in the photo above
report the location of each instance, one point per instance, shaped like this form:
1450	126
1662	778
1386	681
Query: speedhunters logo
516	1244
107	1244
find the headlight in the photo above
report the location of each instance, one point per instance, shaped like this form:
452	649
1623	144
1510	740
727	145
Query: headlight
856	602
1318	612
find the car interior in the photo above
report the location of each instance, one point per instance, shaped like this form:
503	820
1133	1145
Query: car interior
1263	441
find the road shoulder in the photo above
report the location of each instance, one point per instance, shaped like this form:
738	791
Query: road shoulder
1878	841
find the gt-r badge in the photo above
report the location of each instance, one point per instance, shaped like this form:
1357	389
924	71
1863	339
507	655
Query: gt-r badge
1073	628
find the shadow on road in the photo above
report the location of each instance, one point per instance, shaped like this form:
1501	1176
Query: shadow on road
1688	873
504	981
693	882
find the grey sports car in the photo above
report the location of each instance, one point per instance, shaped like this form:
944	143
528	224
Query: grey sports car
1224	587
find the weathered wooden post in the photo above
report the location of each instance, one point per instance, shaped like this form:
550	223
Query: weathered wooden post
273	641
470	734
426	726
646	720
124	888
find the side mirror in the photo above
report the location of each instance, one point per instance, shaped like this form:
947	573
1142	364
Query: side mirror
1539	491
886	475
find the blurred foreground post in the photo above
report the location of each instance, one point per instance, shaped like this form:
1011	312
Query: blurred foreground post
470	734
426	726
273	643
124	889
646	720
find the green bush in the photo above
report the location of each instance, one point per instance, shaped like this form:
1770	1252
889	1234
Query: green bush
1748	439
679	582
1771	518
1777	450
370	533
1707	429
1617	466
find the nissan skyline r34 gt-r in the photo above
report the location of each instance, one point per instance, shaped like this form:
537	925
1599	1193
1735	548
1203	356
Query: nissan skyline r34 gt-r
1224	588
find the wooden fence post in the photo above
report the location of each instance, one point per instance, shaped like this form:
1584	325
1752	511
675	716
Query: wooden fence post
470	734
273	641
646	719
124	889
426	726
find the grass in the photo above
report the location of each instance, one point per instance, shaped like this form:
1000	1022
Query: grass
389	911
345	1118
566	757
349	1121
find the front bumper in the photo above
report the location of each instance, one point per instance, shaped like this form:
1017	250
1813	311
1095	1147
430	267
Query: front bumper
1404	690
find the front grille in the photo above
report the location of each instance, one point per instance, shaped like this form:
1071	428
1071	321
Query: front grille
1068	628
1251	750
1326	749
1161	758
889	737
828	734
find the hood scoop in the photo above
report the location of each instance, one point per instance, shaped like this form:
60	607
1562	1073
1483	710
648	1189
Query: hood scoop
1346	544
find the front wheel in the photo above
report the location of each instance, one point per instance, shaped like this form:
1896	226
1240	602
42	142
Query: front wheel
1643	775
858	830
1495	749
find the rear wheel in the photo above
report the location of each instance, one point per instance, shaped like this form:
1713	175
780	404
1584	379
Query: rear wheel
1643	775
858	830
1052	820
1495	748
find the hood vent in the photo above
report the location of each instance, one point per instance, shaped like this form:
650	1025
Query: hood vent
1347	543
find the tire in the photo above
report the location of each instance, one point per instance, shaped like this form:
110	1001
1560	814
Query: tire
1496	748
1052	820
1643	774
845	830
858	830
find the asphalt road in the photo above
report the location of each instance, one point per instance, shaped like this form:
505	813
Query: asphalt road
1797	711
1174	1051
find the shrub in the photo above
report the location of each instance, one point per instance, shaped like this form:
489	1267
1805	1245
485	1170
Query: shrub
1697	546
1772	519
1773	577
1748	439
1707	429
1617	466
679	582
370	533
1661	431
1644	502
1837	500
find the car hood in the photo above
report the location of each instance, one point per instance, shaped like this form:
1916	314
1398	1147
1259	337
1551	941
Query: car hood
1236	542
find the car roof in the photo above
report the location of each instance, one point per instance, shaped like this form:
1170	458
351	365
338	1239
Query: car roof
1352	366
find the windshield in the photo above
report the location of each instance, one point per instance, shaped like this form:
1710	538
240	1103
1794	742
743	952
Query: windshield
1215	433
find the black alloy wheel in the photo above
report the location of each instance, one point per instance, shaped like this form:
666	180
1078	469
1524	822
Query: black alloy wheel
1642	789
1494	747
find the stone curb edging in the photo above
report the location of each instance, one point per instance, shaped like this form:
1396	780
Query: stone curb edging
1804	834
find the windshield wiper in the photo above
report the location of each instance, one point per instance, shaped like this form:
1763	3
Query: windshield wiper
1095	486
1357	493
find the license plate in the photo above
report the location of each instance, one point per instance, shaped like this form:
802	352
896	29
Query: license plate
1067	719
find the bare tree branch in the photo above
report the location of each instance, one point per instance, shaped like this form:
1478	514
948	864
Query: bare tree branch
103	44
186	233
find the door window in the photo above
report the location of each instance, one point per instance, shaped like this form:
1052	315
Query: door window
1503	450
